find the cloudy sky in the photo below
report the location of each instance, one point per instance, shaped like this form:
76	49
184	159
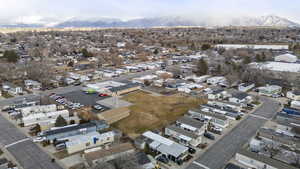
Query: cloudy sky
50	10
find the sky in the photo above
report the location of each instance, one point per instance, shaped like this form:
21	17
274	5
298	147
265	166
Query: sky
28	11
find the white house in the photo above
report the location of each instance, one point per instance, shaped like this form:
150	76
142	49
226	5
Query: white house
295	104
11	88
294	95
167	147
216	80
270	90
217	94
255	160
191	125
216	119
93	139
245	87
121	44
240	97
31	84
184	137
286	58
38	109
44	118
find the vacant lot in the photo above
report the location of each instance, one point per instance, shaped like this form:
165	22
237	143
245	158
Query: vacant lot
154	112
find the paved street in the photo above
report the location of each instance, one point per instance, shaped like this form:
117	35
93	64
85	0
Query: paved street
30	156
9	133
221	152
27	154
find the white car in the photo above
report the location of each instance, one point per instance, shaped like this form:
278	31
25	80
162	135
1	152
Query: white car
38	139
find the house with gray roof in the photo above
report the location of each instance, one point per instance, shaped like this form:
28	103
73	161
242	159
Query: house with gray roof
182	136
192	125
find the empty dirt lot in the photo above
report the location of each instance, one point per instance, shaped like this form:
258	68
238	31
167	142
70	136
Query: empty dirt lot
150	112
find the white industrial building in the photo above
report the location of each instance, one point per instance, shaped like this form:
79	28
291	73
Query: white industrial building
286	58
44	118
93	139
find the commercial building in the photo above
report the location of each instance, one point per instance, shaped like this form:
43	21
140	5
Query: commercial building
130	87
72	130
86	141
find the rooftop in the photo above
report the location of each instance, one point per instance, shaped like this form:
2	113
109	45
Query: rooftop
191	122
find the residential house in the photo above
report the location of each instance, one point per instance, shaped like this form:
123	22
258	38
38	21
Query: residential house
86	141
32	85
191	124
44	118
98	155
270	90
217	94
11	88
228	112
255	160
184	137
216	80
218	120
240	97
294	95
170	149
245	87
295	104
226	105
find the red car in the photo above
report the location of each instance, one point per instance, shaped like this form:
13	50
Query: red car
103	94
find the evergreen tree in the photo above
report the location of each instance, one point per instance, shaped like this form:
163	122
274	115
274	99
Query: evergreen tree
202	67
60	121
11	56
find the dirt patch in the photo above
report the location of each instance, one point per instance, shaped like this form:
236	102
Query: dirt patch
150	112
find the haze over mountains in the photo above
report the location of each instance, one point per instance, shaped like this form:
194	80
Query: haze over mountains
269	20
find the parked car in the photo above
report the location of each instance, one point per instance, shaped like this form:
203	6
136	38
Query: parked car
103	95
162	159
61	146
209	136
98	107
38	139
192	150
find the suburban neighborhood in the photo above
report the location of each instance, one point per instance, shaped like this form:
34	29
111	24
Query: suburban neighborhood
155	95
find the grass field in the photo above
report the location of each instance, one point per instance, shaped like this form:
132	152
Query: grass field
154	112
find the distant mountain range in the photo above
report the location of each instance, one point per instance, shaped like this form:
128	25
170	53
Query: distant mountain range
270	20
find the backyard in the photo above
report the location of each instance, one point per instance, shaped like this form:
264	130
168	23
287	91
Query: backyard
150	112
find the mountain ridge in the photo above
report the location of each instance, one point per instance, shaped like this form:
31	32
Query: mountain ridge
263	21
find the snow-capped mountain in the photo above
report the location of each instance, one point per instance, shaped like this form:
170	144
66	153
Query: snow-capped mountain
270	20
